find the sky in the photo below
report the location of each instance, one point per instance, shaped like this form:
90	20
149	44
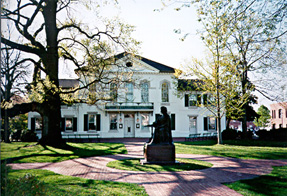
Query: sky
155	29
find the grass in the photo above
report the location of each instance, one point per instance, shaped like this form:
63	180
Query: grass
134	165
52	184
274	184
27	152
235	149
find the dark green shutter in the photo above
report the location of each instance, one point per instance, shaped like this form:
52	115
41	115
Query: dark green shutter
86	121
75	123
33	124
186	100
172	121
198	97
205	99
205	124
98	122
62	124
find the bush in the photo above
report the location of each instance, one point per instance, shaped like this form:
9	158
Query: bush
4	176
279	134
273	135
263	134
229	134
29	136
28	185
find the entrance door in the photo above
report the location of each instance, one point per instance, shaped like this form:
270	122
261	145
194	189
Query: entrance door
129	125
193	124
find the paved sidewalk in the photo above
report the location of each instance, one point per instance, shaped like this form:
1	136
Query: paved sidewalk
195	182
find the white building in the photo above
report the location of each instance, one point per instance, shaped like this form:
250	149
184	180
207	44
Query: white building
138	105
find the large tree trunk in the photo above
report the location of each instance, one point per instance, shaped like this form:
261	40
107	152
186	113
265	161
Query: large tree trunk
51	134
6	128
244	91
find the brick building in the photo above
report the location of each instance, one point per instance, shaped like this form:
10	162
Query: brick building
279	115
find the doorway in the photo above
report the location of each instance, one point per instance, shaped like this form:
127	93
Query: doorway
193	124
129	125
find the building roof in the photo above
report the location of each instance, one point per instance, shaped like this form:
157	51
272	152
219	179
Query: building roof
68	83
161	67
189	84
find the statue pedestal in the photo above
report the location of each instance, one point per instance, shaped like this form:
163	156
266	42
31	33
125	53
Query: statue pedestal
162	154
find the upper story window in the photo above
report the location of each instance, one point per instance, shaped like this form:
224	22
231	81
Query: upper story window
164	92
144	92
280	113
129	92
113	121
194	100
113	91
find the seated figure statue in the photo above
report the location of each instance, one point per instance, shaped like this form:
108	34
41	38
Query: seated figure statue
162	133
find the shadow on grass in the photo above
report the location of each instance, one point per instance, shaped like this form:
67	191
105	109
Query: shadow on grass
73	151
274	184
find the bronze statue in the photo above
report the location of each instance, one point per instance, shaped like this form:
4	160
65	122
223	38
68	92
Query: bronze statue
162	133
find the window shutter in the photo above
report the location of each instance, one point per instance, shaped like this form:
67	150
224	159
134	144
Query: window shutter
186	99
86	122
172	121
75	124
33	121
198	97
98	122
63	124
205	123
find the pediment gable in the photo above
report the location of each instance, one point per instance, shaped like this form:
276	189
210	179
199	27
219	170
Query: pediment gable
141	64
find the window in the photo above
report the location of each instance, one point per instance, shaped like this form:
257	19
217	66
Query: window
209	123
144	92
164	92
144	121
129	92
274	114
36	123
113	122
68	124
280	113
92	122
93	88
113	91
193	100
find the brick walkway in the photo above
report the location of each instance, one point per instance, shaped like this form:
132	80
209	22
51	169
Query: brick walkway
199	182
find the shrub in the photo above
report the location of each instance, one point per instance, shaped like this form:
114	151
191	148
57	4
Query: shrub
263	134
279	134
4	176
28	185
29	136
229	134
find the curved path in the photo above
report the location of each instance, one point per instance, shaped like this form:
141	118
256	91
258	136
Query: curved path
195	182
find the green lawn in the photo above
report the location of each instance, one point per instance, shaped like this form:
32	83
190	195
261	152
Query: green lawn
54	184
27	152
236	149
134	165
47	183
274	184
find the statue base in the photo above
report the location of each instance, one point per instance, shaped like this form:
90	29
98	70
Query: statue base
161	154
